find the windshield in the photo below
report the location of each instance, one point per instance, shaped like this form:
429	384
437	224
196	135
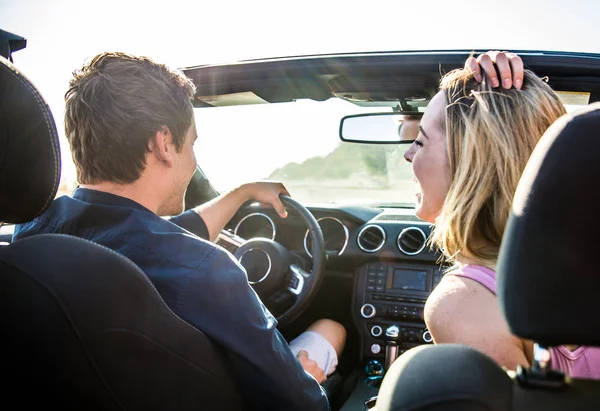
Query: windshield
298	144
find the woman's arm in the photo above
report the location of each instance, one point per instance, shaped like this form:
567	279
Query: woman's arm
463	311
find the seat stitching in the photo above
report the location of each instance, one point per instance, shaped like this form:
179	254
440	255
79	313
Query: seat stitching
53	134
125	260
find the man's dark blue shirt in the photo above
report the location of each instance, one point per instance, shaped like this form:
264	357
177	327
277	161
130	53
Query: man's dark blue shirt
199	281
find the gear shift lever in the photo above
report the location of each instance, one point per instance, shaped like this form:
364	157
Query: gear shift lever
392	336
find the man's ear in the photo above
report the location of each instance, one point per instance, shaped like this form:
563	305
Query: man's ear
161	146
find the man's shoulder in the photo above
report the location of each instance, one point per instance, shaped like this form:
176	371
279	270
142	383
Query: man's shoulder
164	239
173	243
132	232
50	221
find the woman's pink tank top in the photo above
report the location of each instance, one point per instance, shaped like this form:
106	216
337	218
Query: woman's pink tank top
584	362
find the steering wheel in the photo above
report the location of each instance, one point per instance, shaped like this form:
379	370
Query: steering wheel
275	276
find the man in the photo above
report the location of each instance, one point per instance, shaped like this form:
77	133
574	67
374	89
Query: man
408	130
130	125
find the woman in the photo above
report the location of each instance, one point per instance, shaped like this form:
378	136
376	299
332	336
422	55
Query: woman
473	144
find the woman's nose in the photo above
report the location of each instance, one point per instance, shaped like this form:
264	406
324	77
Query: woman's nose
408	154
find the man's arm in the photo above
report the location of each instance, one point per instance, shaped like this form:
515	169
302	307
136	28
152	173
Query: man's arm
218	300
217	212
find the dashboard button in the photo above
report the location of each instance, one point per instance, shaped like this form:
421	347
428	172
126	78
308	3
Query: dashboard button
367	311
414	314
375	349
413	336
376	331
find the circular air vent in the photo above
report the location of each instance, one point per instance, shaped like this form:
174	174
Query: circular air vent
335	234
412	240
371	238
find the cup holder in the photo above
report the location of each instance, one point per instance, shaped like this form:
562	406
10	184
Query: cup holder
370	403
374	371
374	381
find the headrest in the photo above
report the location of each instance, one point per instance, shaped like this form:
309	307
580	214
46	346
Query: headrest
9	43
548	276
29	150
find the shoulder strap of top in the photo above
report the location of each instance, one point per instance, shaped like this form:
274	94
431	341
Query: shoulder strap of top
483	275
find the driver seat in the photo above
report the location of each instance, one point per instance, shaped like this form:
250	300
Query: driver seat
82	326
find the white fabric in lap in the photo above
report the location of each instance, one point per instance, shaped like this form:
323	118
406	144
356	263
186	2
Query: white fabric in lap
318	348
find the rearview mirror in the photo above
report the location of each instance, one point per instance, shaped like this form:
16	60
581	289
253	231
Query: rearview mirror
380	128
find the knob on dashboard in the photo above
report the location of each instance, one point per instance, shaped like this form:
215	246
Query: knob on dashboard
375	348
393	332
376	331
367	311
427	337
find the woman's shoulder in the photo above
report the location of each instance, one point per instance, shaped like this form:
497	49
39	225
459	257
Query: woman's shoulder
456	297
462	310
459	286
480	274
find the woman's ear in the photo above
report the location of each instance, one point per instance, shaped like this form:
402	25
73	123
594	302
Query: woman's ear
161	146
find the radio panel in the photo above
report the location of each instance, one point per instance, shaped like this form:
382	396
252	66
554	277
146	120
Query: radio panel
408	281
393	295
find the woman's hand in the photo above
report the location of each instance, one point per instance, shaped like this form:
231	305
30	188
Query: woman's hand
510	68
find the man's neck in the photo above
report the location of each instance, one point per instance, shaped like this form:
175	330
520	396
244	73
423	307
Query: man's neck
134	191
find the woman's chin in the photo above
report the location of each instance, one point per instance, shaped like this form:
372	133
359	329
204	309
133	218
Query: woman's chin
419	211
422	214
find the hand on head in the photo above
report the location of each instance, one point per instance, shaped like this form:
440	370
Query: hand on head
500	68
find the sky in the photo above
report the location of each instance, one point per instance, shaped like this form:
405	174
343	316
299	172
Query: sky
62	34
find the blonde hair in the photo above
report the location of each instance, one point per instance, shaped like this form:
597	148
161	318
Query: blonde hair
490	135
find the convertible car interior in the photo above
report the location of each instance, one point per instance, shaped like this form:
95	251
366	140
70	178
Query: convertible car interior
76	327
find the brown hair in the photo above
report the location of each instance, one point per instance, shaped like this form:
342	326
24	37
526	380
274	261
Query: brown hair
491	134
115	104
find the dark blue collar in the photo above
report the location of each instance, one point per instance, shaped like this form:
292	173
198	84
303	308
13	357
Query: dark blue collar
103	198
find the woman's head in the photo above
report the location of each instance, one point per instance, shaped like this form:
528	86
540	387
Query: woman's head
469	156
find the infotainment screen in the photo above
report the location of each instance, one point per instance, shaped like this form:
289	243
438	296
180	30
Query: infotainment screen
409	280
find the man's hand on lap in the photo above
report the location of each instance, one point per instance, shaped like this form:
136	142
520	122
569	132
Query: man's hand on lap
311	367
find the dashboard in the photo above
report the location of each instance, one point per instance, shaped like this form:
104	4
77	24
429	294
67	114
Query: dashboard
385	250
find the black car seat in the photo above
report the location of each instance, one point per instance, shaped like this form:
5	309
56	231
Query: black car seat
82	327
548	288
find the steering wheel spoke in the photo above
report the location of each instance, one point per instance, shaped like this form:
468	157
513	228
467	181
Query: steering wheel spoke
279	276
229	241
296	278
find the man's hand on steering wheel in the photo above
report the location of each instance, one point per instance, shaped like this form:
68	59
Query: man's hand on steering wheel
267	193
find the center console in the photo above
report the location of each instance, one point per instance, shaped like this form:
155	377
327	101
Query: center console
389	299
388	307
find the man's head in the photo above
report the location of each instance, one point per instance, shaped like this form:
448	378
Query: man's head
127	117
409	127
